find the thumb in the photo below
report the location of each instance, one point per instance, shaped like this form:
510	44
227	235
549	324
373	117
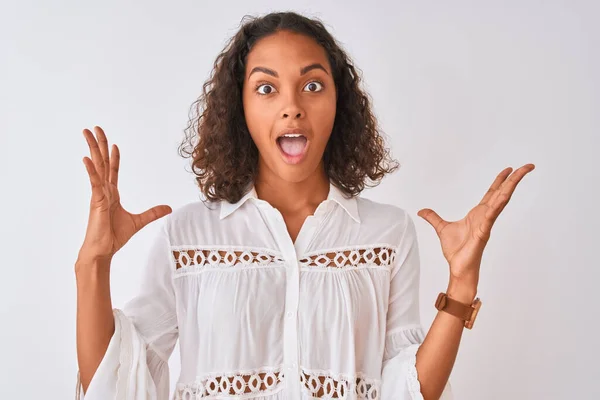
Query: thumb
433	218
153	214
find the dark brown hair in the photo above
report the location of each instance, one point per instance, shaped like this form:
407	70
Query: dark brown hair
224	156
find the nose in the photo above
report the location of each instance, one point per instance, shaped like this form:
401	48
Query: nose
292	109
298	115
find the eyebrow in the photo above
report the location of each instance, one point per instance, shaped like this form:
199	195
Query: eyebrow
276	75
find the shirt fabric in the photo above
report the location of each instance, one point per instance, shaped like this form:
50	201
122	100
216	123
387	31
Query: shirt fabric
334	314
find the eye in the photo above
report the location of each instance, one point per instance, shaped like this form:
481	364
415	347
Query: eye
265	85
314	86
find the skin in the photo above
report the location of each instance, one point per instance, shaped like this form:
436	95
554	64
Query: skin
290	99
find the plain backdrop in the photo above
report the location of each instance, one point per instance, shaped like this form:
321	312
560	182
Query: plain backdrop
462	90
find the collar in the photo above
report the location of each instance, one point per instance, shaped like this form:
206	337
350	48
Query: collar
349	204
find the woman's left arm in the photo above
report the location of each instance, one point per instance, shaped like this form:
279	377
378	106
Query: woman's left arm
436	356
462	243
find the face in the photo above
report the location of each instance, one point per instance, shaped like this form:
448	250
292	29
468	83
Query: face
289	87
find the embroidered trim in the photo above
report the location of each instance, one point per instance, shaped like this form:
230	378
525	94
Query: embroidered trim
382	256
266	381
327	385
260	382
192	260
188	259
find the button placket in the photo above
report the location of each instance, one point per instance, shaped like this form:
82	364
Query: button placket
290	251
290	327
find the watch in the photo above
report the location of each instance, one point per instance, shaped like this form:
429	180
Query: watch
466	312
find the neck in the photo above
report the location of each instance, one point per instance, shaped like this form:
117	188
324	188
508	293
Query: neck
292	198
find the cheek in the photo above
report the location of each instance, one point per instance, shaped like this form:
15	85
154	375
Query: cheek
258	121
323	117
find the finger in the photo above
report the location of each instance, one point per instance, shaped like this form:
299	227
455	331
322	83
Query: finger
497	205
95	152
91	170
115	157
433	218
95	180
151	215
496	185
508	186
103	144
501	198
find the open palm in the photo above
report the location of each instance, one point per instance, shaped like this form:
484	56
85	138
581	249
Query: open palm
110	226
463	241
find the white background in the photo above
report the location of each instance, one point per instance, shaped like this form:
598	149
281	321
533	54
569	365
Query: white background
463	89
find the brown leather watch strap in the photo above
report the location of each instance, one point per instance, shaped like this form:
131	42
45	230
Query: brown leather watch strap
463	311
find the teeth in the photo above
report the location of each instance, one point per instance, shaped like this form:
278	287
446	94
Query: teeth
292	135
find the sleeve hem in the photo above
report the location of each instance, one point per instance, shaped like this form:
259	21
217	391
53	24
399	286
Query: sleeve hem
111	363
403	338
125	355
78	387
414	385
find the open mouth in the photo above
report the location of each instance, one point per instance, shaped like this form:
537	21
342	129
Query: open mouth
293	147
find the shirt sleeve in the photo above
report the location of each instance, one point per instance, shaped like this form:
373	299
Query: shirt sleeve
404	333
135	365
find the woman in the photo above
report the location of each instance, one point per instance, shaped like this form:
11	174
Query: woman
286	284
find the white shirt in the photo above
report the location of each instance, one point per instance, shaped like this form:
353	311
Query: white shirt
334	314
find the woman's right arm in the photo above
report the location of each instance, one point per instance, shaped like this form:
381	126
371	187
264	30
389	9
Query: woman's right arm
95	321
109	228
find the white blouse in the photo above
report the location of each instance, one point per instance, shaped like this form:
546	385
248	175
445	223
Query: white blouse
334	314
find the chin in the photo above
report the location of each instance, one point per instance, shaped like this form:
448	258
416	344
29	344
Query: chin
278	165
293	174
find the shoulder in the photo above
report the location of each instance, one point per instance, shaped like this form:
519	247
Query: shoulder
188	221
374	208
372	211
195	209
384	216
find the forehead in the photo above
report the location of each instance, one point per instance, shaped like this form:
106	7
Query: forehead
286	51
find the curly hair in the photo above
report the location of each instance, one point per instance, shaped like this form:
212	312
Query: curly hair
224	156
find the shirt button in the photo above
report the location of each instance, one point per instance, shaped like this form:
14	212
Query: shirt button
290	314
293	365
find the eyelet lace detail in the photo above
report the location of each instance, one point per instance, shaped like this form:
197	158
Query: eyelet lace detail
320	385
351	258
261	383
192	258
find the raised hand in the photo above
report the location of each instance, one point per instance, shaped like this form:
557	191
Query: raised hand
110	226
463	241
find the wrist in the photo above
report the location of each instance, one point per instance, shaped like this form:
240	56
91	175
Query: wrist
465	292
90	270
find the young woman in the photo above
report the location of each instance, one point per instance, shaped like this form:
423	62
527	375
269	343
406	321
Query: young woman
283	283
